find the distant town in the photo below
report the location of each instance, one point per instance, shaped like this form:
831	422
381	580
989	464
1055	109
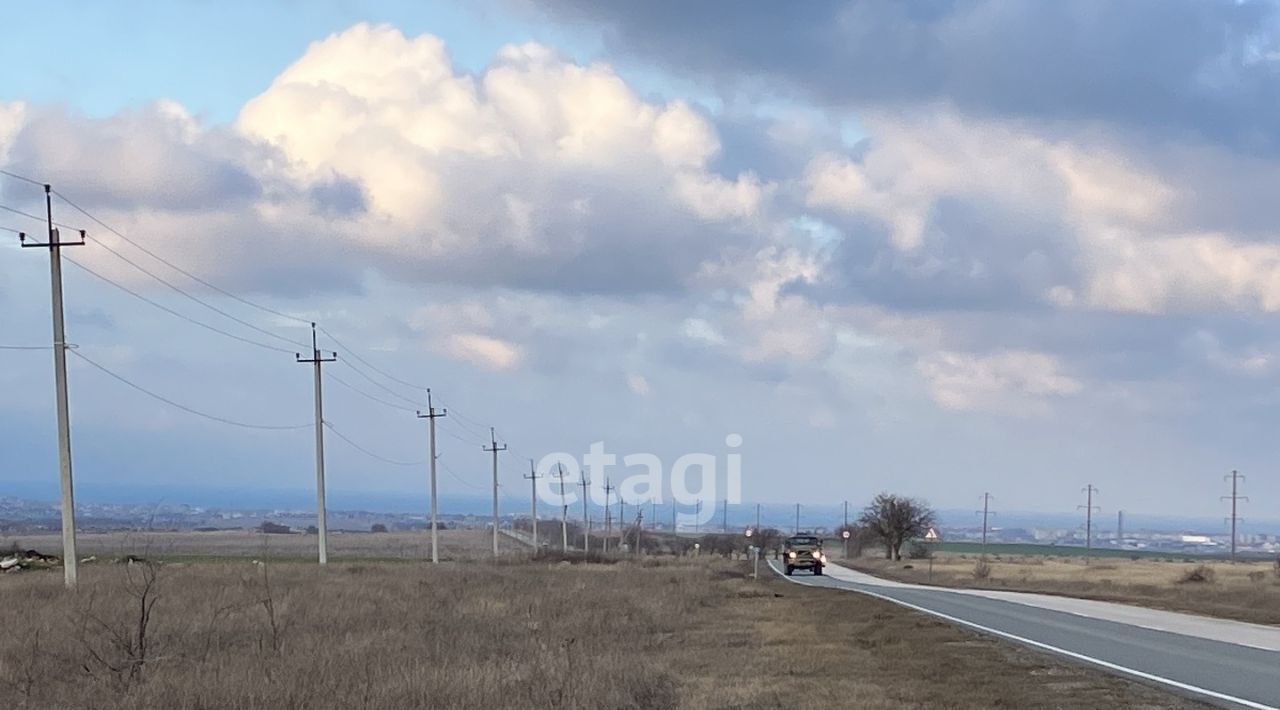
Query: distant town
19	515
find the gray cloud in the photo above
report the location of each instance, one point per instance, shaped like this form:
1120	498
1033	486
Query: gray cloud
1200	66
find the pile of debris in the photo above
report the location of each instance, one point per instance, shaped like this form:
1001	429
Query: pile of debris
29	559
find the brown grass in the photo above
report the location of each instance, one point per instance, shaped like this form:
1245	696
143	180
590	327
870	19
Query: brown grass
1245	591
688	633
457	544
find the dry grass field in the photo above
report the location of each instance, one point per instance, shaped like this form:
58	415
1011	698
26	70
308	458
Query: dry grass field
195	546
1247	591
690	633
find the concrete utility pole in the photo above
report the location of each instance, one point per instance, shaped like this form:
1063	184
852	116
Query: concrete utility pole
697	517
322	521
431	417
564	511
586	517
653	513
674	529
55	244
986	513
493	448
533	501
639	528
1119	528
622	519
608	510
724	521
797	528
1235	498
1089	507
757	518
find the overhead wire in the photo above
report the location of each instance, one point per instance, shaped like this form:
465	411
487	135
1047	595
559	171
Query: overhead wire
328	425
215	309
174	266
379	385
26	347
171	311
368	396
183	407
22	178
466	423
366	363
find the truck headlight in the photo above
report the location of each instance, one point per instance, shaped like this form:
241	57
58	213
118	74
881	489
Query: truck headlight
792	554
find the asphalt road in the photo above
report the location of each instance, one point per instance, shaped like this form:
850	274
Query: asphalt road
1219	671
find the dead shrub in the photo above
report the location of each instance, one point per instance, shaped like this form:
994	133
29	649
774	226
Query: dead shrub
981	570
1200	574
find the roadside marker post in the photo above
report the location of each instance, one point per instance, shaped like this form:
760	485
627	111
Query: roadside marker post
931	537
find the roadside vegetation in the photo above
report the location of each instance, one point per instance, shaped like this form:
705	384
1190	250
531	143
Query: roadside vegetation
666	632
1244	591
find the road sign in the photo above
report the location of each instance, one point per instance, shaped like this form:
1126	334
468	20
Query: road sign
932	535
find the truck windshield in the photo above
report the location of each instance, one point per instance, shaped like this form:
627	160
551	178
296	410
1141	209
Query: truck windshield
803	541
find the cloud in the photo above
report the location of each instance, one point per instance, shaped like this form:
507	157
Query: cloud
1011	382
533	170
943	210
483	350
1174	66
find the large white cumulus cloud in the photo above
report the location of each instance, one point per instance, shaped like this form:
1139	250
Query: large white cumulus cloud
539	172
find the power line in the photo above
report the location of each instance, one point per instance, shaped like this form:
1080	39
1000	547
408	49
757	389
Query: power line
197	299
379	385
175	267
22	178
183	407
458	478
367	452
464	440
366	395
26	347
370	365
172	312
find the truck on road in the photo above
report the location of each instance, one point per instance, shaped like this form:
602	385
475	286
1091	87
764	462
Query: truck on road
803	552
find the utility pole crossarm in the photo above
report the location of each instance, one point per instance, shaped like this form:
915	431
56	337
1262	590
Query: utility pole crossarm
431	417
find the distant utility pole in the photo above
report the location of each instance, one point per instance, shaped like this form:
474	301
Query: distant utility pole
797	527
1089	507
493	448
431	417
697	517
757	518
322	524
533	501
55	244
1119	528
986	513
622	519
608	510
564	511
586	518
674	529
653	513
724	522
844	532
639	528
1235	498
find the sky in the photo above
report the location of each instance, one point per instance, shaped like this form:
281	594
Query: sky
938	249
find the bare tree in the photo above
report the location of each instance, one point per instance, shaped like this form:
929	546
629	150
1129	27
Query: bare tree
892	520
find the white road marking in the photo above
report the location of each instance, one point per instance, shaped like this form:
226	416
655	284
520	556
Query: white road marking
1044	646
1239	633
